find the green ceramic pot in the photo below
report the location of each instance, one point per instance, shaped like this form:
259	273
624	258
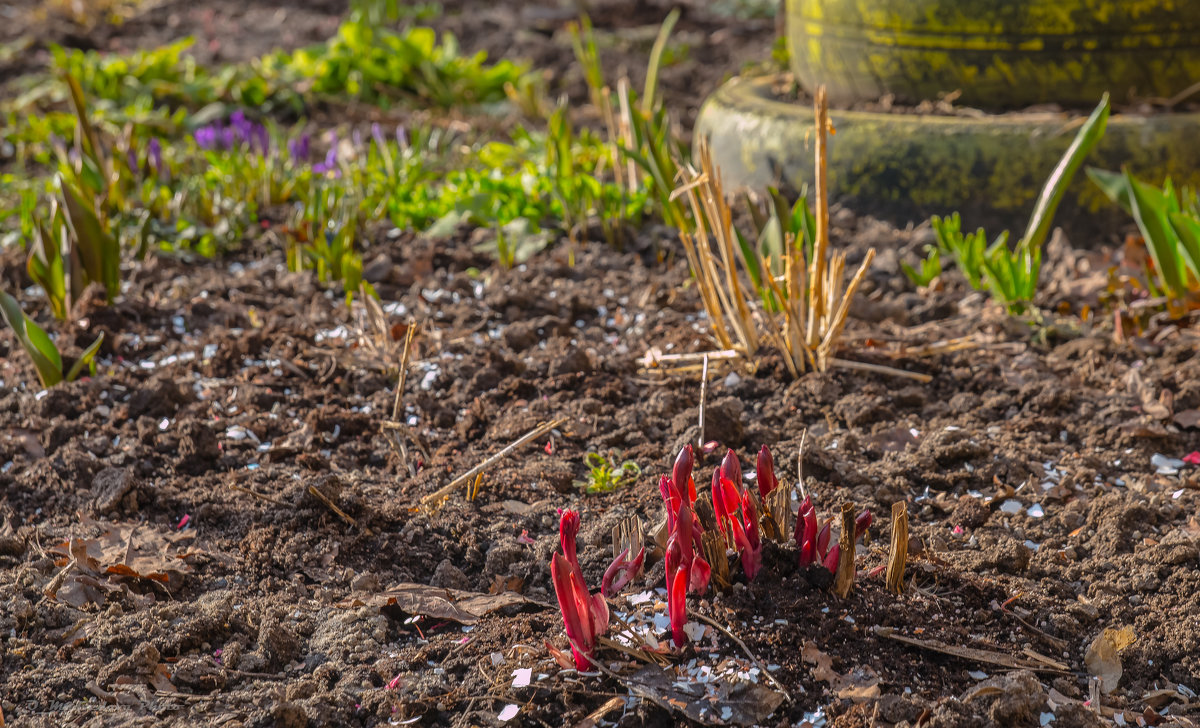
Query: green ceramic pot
1001	54
906	167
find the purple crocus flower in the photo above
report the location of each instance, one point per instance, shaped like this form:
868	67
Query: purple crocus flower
154	151
243	130
206	137
377	134
298	149
401	136
331	161
262	139
358	139
131	158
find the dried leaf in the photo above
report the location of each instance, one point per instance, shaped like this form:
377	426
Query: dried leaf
437	602
160	680
134	551
1188	418
502	584
1103	657
860	684
735	704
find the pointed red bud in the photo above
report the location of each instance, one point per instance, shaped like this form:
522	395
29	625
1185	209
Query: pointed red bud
731	469
765	472
832	558
807	553
861	524
823	539
568	529
677	605
798	534
681	473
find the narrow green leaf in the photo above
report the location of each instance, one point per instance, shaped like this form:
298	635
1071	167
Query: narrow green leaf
1112	184
1060	178
1149	212
1187	230
654	65
34	340
87	358
99	250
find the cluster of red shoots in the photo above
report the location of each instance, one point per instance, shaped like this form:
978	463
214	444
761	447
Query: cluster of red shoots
813	542
737	513
686	567
585	615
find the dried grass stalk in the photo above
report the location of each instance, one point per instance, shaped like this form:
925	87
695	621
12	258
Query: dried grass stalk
715	555
843	580
811	300
899	554
777	514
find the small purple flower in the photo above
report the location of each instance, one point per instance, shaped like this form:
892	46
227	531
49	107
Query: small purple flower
401	136
298	149
262	139
131	158
206	137
377	134
331	159
358	139
243	130
154	151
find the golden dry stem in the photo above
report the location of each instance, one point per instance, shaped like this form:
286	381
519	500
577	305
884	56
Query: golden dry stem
777	514
899	554
714	554
843	580
807	306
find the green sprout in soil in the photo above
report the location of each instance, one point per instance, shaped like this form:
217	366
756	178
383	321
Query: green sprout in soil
929	268
1169	221
41	349
1011	275
605	475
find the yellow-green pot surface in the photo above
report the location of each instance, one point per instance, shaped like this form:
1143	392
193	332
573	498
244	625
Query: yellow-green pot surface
906	167
1000	54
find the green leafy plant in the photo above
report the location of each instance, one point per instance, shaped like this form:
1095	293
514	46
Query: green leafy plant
1011	276
1169	221
363	60
604	474
930	267
73	245
38	345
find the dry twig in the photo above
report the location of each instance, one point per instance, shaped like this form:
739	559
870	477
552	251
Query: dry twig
899	553
449	488
843	580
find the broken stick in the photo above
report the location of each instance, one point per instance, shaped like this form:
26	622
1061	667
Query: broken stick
899	555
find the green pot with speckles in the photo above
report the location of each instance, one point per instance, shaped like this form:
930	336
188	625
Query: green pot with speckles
906	167
999	54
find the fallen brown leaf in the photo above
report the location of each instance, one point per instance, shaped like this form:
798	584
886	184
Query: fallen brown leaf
437	602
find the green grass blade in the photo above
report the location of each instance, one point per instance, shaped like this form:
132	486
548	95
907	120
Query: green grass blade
1060	178
655	63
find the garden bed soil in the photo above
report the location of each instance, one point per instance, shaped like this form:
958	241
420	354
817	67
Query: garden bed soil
223	403
215	530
